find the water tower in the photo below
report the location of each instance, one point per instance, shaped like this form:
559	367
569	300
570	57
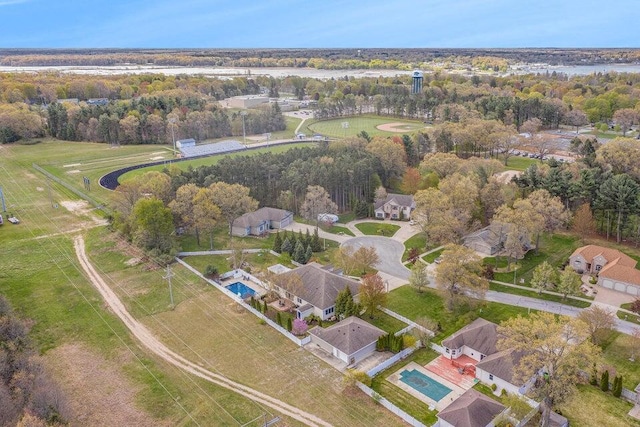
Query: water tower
416	86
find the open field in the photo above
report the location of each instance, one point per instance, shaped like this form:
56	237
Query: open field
592	407
334	128
210	329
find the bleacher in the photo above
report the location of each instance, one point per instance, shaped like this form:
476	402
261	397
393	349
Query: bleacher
208	149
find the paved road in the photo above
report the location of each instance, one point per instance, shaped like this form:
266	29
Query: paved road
389	251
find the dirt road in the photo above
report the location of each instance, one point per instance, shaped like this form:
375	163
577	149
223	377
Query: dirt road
151	342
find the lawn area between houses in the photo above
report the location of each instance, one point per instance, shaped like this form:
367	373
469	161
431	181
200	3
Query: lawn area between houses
412	304
209	328
403	400
554	249
616	353
430	258
377	228
592	407
534	294
417	241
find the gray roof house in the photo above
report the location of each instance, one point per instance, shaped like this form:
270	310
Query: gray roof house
350	340
490	240
476	340
319	290
261	221
498	369
395	206
472	409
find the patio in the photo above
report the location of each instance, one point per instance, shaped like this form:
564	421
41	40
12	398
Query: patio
444	368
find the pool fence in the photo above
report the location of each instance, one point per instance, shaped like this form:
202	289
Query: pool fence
238	273
392	360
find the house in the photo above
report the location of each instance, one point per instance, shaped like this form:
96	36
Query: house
350	340
614	269
395	206
471	409
490	240
261	221
498	369
476	340
317	291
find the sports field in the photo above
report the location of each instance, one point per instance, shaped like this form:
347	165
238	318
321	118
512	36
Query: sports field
374	125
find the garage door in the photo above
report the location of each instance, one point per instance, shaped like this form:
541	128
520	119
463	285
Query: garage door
607	284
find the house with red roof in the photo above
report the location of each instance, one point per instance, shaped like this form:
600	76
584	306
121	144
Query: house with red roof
615	270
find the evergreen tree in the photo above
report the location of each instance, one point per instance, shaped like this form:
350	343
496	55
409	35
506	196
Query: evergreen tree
289	324
277	244
308	254
307	239
351	308
286	246
604	381
341	302
316	246
299	253
278	318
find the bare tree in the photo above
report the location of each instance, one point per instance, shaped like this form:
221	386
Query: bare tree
317	201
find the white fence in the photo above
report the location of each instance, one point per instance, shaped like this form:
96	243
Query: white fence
239	300
392	360
390	406
219	252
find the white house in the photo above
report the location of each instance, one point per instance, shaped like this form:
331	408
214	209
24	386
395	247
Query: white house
350	340
498	369
476	340
318	289
395	206
261	221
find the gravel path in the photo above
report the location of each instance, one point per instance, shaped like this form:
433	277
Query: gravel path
152	343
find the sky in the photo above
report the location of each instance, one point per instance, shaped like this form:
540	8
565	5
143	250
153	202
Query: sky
318	23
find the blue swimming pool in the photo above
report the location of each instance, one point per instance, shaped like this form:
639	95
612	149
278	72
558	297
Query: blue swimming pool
242	289
424	384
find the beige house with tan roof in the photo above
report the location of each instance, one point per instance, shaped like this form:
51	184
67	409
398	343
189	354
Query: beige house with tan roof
350	340
614	269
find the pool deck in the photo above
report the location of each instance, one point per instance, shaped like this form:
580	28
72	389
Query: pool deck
260	291
456	391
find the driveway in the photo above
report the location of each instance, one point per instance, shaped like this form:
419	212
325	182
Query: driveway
389	251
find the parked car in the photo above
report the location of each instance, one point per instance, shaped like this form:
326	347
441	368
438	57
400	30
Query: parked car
327	217
438	260
13	220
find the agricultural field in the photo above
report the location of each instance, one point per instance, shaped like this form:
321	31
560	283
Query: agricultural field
372	125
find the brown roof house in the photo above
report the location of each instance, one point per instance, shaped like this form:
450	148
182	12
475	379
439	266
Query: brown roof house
615	270
472	409
350	340
261	221
316	291
395	206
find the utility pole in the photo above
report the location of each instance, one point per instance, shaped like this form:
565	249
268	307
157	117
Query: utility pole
244	135
172	121
4	206
168	276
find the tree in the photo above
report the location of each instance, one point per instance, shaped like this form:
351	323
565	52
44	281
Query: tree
277	243
622	155
553	213
299	253
182	205
433	213
544	277
583	223
459	275
543	144
317	201
391	156
233	200
531	126
345	306
556	345
153	225
419	278
600	323
620	194
411	181
427	329
569	282
519	222
205	213
625	118
366	257
372	293
604	381
576	118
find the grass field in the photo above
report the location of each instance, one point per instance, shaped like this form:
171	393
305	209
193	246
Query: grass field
417	241
592	407
519	163
377	228
334	128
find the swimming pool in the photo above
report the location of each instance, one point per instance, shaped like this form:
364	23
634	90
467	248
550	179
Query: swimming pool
424	384
242	289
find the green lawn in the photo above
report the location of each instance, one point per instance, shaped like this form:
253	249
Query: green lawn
592	407
337	229
617	353
385	322
418	241
346	217
554	249
399	397
519	163
377	228
430	258
412	304
533	294
357	124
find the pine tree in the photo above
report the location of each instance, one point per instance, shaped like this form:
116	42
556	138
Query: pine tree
316	246
286	246
277	244
289	324
340	303
299	253
307	238
308	254
617	386
278	318
604	381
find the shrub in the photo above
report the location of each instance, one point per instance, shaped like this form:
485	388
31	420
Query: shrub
593	280
278	318
635	306
488	272
353	375
408	341
289	324
494	387
299	327
617	386
211	271
390	342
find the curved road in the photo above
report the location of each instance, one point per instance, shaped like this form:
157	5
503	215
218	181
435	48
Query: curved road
390	252
151	342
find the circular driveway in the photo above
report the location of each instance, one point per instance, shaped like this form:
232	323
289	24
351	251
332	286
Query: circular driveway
389	251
